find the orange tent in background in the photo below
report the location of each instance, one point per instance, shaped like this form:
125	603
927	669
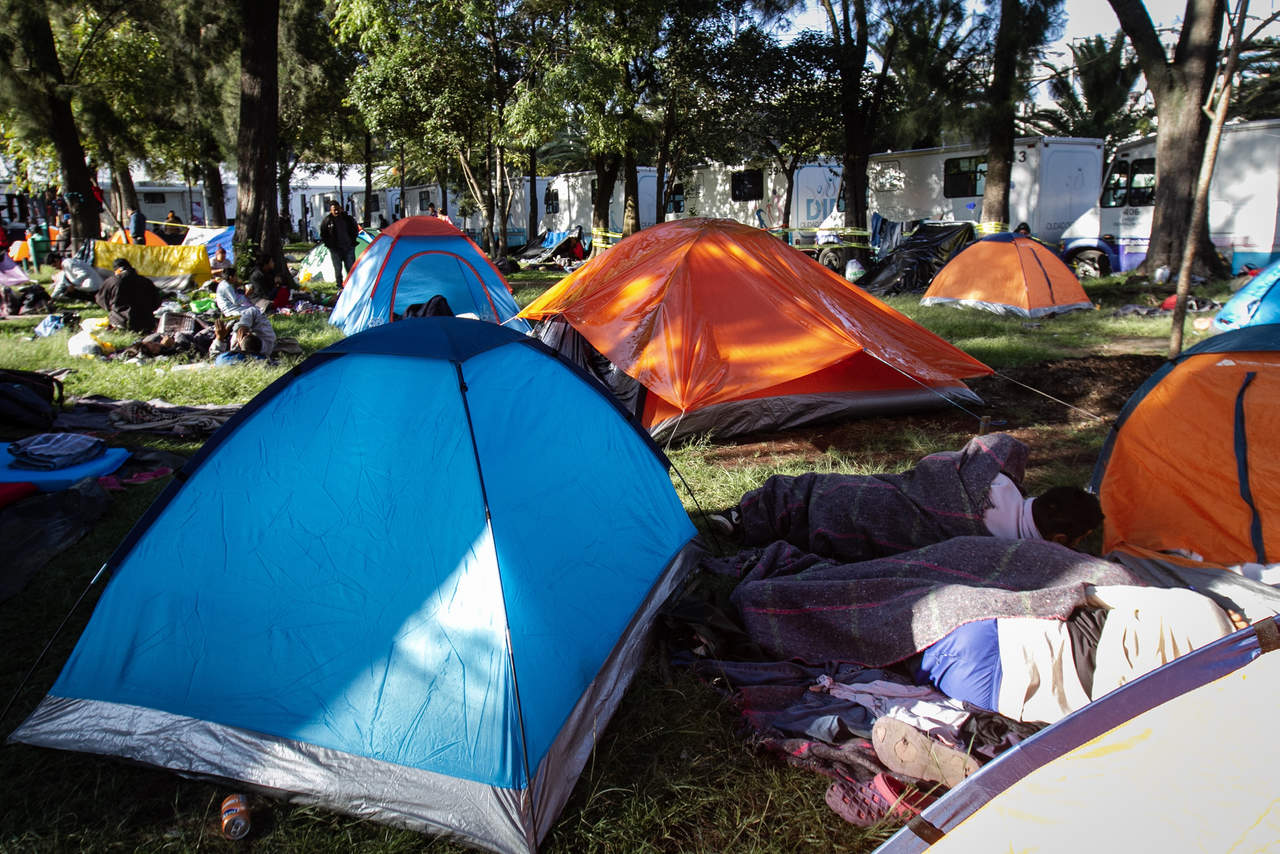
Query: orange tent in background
1008	274
149	237
1193	462
730	330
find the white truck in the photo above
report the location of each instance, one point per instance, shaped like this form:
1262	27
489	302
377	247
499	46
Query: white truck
755	194
1053	180
1112	235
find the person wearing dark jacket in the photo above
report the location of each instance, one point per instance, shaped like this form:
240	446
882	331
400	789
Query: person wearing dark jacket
338	233
129	298
265	283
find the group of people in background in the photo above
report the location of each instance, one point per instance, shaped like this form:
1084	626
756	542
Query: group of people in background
47	206
243	330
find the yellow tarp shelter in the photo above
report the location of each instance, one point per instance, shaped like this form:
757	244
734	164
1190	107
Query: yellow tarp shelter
156	260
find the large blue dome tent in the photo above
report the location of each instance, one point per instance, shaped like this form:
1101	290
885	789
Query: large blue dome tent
413	260
434	607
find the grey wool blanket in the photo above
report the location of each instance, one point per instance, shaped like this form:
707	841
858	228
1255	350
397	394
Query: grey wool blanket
878	612
857	517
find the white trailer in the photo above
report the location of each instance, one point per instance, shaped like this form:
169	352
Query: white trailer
568	201
1244	204
755	194
1053	180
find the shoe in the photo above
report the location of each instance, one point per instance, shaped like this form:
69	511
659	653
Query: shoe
883	796
906	750
728	523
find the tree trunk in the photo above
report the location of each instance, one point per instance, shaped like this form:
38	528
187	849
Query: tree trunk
606	166
31	23
284	183
1179	88
487	204
534	215
630	194
367	219
442	178
215	197
789	167
502	202
1179	151
1200	203
123	180
850	35
1000	100
257	218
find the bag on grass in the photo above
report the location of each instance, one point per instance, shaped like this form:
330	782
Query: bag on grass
29	398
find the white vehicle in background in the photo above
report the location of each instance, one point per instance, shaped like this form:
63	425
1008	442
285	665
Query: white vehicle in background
755	195
568	200
1112	236
1053	180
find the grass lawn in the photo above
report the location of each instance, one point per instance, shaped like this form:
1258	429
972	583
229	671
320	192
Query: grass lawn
671	772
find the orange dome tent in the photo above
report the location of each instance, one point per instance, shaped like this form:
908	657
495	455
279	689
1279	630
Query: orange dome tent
149	237
1008	274
730	330
1191	464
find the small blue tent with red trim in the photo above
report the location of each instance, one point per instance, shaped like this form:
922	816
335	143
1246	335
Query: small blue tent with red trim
417	625
413	260
1256	304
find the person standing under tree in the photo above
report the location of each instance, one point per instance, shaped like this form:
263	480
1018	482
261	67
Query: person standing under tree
338	233
137	225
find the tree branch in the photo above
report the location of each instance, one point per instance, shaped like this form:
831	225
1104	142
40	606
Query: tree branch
1137	25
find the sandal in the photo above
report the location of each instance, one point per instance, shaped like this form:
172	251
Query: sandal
908	751
868	804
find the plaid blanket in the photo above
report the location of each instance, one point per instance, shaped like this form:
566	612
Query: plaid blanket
857	517
877	612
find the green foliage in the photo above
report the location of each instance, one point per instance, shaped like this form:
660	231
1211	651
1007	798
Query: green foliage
937	53
1095	95
1258	95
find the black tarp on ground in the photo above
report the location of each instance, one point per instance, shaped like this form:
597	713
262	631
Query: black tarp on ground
910	267
537	252
557	334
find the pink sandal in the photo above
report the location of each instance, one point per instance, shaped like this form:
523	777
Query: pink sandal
868	804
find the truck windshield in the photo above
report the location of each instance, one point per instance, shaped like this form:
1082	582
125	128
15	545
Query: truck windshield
1116	185
1142	182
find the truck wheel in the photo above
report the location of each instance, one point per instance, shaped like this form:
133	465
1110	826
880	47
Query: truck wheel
833	259
1090	264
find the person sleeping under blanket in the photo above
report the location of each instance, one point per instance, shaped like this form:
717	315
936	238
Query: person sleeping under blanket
972	492
1035	669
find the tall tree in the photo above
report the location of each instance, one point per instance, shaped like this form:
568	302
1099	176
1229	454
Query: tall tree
1179	85
1025	26
936	51
775	92
33	86
257	217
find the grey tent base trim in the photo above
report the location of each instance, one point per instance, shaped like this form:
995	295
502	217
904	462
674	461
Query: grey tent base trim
284	768
498	819
1012	310
740	417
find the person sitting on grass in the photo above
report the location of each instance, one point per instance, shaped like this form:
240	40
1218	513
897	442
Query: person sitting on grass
972	492
220	264
229	298
130	299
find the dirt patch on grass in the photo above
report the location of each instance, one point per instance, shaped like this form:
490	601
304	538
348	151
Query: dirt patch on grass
1046	404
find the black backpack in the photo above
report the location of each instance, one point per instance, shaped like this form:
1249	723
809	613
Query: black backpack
29	399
